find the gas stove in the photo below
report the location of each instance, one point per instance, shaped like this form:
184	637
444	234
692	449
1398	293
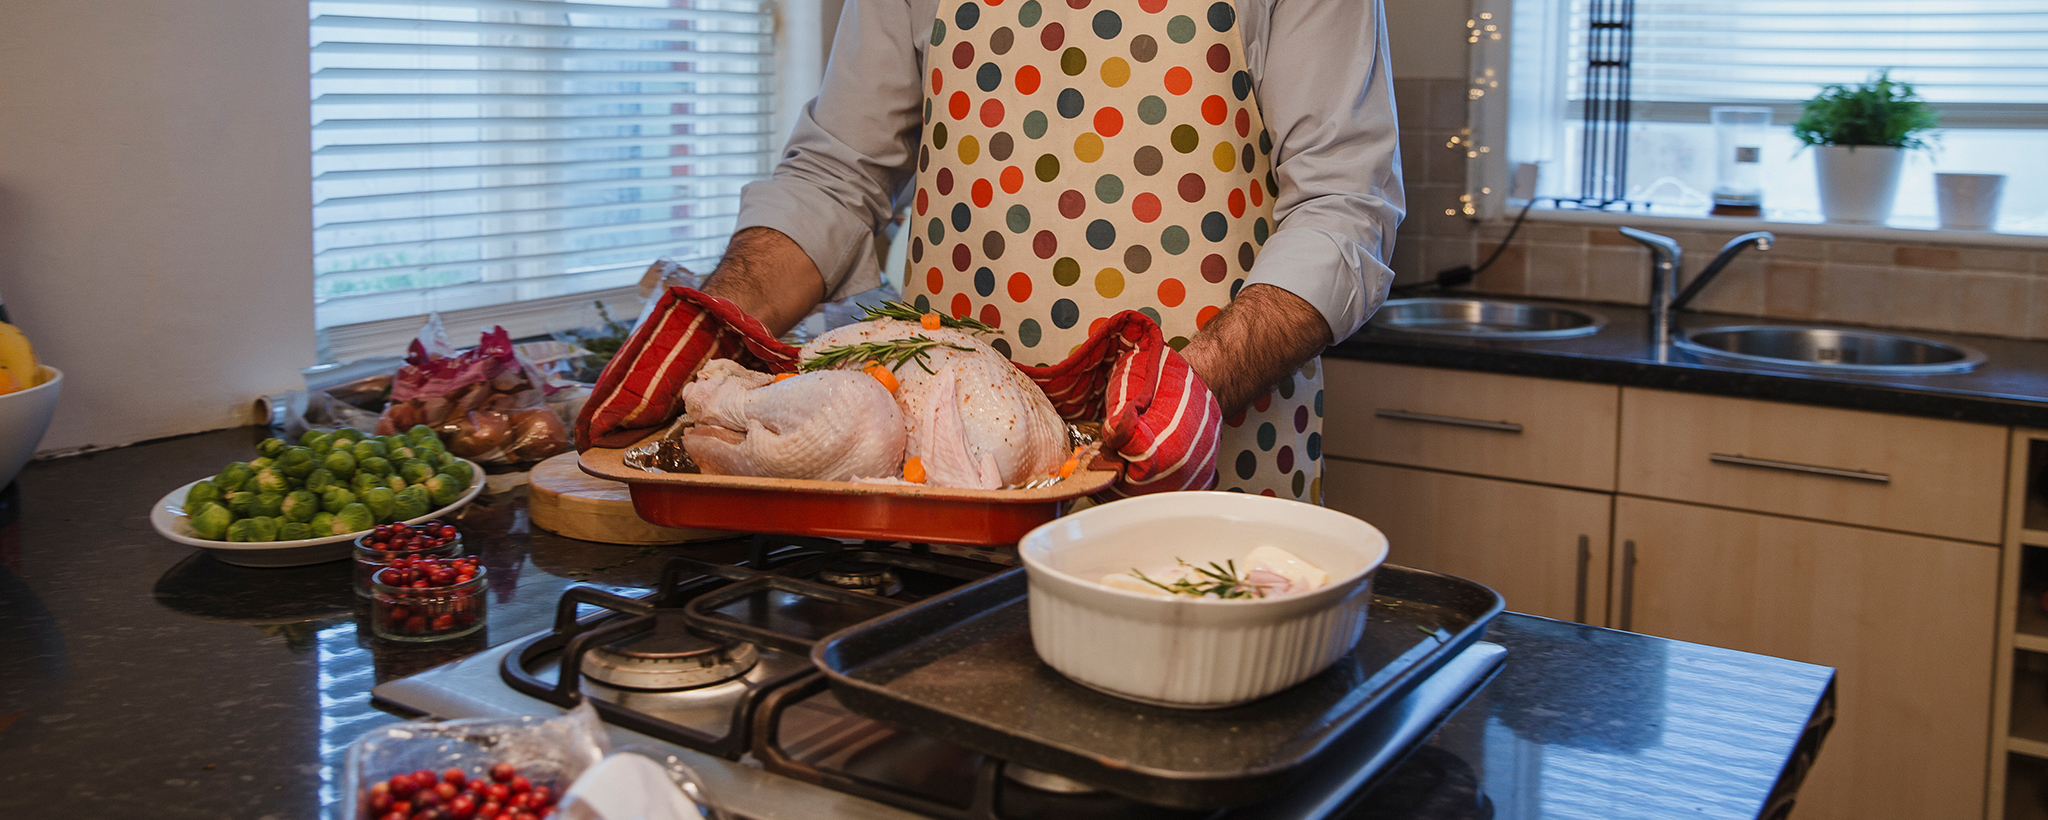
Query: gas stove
714	667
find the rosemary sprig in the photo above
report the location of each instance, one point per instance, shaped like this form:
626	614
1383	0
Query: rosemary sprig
893	309
891	352
1220	580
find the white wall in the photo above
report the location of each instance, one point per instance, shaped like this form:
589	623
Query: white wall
155	239
1428	37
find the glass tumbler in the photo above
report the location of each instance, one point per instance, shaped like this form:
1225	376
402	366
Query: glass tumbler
1739	133
370	559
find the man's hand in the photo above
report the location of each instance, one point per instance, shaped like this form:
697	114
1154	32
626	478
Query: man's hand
1260	337
770	277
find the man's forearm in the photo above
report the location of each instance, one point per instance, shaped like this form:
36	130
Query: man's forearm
770	277
1262	336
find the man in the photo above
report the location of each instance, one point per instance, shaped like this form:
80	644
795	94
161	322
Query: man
1229	169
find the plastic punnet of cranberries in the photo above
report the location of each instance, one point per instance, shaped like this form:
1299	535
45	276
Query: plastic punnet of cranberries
427	599
497	792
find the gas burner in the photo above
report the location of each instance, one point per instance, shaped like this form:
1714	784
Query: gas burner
861	576
668	659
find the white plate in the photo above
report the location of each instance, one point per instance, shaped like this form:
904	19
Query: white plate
168	516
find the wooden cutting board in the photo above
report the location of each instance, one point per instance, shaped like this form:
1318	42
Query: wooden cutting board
570	503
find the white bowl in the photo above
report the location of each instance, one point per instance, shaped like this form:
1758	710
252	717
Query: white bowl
1193	652
24	415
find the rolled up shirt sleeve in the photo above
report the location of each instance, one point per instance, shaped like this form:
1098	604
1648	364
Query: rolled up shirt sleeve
848	157
1325	88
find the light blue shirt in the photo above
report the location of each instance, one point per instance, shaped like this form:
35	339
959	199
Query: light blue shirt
1321	75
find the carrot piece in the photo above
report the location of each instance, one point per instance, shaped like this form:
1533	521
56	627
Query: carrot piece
931	321
1069	467
781	376
882	374
913	470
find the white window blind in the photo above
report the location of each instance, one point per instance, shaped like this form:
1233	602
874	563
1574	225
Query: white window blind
472	153
1984	63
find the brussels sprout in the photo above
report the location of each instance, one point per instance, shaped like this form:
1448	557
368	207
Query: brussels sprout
295	462
269	505
365	449
414	470
306	438
459	470
399	454
258	464
353	518
433	444
336	498
294	531
381	501
321	446
349	434
240	530
263	528
212	522
300	506
204	492
233	476
420	432
270	447
269	480
412	503
443	490
319	480
322	523
374	465
242	503
340	463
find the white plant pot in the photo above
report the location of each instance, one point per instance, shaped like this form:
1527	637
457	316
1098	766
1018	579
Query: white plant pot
1858	182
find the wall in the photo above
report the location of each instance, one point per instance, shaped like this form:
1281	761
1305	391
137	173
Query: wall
1938	283
155	236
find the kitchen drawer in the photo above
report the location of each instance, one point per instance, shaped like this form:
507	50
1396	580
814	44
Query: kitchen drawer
1554	432
1904	473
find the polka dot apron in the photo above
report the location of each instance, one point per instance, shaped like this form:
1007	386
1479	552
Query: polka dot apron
1082	157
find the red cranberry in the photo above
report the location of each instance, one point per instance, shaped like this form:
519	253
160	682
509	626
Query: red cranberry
543	796
447	791
499	791
520	802
401	787
392	816
519	783
502	772
443	623
425	798
416	624
401	808
456	776
490	808
461	808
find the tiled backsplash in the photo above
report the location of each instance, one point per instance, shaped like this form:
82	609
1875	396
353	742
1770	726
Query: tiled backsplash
1922	286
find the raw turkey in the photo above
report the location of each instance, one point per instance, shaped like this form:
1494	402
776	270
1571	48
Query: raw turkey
830	425
974	420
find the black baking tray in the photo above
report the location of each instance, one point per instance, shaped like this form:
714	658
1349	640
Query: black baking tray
960	667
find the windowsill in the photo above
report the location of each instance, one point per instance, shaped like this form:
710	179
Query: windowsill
1789	224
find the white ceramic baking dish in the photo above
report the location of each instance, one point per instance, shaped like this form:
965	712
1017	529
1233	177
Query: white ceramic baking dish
1193	652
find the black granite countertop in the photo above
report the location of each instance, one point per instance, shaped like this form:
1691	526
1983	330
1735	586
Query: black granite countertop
2010	387
139	678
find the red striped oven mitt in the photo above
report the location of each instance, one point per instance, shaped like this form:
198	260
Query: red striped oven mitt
1157	415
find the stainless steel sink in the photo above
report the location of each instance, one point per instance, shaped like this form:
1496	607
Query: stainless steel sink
1486	319
1836	350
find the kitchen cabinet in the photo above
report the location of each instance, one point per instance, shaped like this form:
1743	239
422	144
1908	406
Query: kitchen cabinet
1544	549
1515	427
1909	621
1929	476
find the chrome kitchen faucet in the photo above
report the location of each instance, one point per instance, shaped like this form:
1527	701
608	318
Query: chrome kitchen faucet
1665	259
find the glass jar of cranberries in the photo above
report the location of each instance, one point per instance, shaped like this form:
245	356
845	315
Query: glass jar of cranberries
427	599
375	549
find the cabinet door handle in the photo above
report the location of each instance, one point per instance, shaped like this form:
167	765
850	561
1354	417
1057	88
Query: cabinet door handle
1796	467
1454	421
1585	562
1628	585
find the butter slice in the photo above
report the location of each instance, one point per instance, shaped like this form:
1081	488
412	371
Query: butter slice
1301	574
1129	583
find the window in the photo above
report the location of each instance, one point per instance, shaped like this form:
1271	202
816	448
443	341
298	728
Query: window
470	155
1982	63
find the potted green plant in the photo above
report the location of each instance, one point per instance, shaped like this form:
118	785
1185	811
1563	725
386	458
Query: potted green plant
1861	134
